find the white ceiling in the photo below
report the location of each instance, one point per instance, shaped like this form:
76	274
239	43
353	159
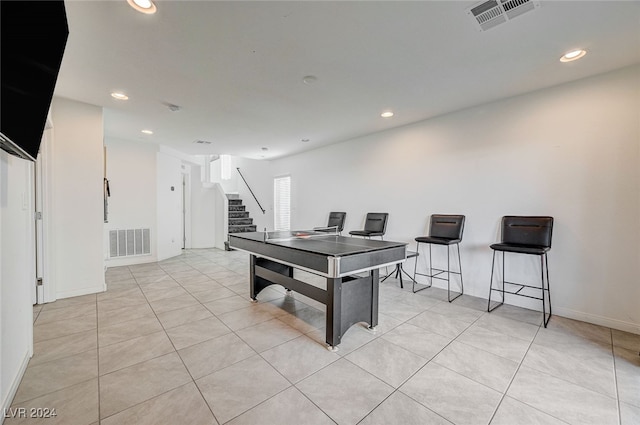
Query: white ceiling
235	68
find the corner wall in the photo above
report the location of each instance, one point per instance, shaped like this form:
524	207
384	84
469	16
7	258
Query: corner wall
204	204
17	272
77	173
131	170
169	210
571	151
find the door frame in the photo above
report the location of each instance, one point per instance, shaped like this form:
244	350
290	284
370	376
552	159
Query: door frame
43	190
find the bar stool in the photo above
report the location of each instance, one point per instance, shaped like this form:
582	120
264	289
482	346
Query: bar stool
335	223
444	230
400	270
530	235
374	225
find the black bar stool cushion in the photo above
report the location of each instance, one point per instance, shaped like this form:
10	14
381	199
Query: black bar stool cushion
437	241
520	249
365	233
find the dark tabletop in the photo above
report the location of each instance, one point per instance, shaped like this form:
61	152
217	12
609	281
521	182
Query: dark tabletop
331	245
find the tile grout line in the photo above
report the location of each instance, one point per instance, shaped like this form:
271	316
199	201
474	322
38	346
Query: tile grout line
423	366
504	394
98	353
193	380
615	377
177	353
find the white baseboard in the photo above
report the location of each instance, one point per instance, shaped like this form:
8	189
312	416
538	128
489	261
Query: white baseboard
129	261
597	320
15	383
81	291
562	311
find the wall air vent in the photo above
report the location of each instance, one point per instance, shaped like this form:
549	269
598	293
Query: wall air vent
129	242
488	14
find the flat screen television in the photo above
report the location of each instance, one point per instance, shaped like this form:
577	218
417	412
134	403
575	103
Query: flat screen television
34	35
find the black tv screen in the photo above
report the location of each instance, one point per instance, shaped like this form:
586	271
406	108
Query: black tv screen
34	35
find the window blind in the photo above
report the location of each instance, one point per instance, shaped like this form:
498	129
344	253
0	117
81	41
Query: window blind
282	203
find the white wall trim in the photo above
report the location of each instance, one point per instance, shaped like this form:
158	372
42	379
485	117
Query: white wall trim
15	382
186	175
129	261
82	291
596	320
48	214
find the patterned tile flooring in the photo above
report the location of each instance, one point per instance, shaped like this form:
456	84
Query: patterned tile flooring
178	342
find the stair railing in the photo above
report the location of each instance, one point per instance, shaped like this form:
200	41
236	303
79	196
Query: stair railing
249	187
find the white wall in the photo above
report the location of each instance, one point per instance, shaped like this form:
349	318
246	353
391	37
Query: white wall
77	173
229	185
131	170
17	272
221	218
169	211
571	151
203	212
257	175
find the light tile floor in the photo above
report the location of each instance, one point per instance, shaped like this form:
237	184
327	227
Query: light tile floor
178	342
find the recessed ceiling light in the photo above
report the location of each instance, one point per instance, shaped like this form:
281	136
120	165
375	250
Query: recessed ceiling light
386	114
119	95
147	131
573	55
144	6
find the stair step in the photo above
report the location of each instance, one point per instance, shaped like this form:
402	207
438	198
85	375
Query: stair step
236	207
242	228
238	214
235	201
233	196
237	221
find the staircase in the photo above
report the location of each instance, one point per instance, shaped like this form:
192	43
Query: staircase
239	220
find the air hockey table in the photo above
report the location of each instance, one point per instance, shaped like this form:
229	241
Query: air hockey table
349	265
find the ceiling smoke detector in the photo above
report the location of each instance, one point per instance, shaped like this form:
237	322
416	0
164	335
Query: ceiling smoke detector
488	14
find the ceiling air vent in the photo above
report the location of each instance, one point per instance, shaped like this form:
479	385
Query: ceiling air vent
490	13
202	142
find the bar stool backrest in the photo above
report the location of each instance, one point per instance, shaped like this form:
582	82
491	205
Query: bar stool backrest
446	226
336	219
527	230
376	222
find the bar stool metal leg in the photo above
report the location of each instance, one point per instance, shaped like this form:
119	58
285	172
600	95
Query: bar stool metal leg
545	261
493	262
415	269
545	289
449	272
460	268
449	277
431	275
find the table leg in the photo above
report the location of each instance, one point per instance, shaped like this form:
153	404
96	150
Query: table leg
375	286
334	312
252	278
